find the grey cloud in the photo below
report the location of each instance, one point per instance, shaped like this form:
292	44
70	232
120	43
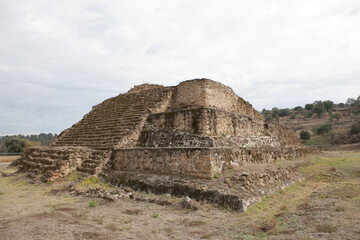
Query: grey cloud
57	59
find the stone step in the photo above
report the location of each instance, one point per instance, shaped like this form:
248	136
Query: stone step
50	167
89	165
86	170
92	161
111	120
87	139
45	161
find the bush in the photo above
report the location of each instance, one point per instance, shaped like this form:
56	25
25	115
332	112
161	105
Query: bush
267	114
355	128
298	109
304	135
324	129
329	105
337	116
275	113
309	106
15	145
284	112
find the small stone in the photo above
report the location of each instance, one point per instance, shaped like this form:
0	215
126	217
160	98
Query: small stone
228	182
128	189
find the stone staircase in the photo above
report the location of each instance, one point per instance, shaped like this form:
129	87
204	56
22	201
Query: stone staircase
110	121
94	163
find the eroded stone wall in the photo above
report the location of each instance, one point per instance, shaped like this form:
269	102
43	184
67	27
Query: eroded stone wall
223	97
195	162
54	162
207	121
209	128
205	93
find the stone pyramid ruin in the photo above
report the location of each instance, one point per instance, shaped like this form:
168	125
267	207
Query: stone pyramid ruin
182	140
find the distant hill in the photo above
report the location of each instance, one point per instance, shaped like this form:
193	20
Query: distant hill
328	123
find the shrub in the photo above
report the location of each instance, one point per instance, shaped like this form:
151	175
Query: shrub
329	105
337	116
355	128
319	108
15	145
284	112
298	109
304	135
323	129
309	106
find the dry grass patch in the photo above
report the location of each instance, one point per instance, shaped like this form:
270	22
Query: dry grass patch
192	223
8	158
99	219
133	212
326	228
113	227
269	224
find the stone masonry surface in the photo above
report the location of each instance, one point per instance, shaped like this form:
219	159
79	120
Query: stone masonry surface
197	129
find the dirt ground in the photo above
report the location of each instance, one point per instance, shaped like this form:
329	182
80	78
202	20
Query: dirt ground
324	206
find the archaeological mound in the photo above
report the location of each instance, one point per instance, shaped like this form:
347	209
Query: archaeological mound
197	139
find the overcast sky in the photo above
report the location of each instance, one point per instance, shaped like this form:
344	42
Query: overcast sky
59	58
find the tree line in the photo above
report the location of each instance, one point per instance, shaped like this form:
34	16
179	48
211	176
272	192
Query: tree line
319	108
16	143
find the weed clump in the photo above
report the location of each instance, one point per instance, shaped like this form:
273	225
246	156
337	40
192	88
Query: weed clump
326	228
113	227
155	215
92	203
133	212
268	224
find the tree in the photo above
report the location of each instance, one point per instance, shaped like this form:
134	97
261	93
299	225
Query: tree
298	109
266	113
309	106
355	128
341	105
284	112
319	108
324	129
304	135
329	105
350	101
15	145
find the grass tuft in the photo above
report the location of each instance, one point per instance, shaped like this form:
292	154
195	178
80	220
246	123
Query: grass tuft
92	203
268	224
93	182
113	227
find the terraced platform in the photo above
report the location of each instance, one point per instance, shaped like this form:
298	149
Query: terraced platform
194	134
